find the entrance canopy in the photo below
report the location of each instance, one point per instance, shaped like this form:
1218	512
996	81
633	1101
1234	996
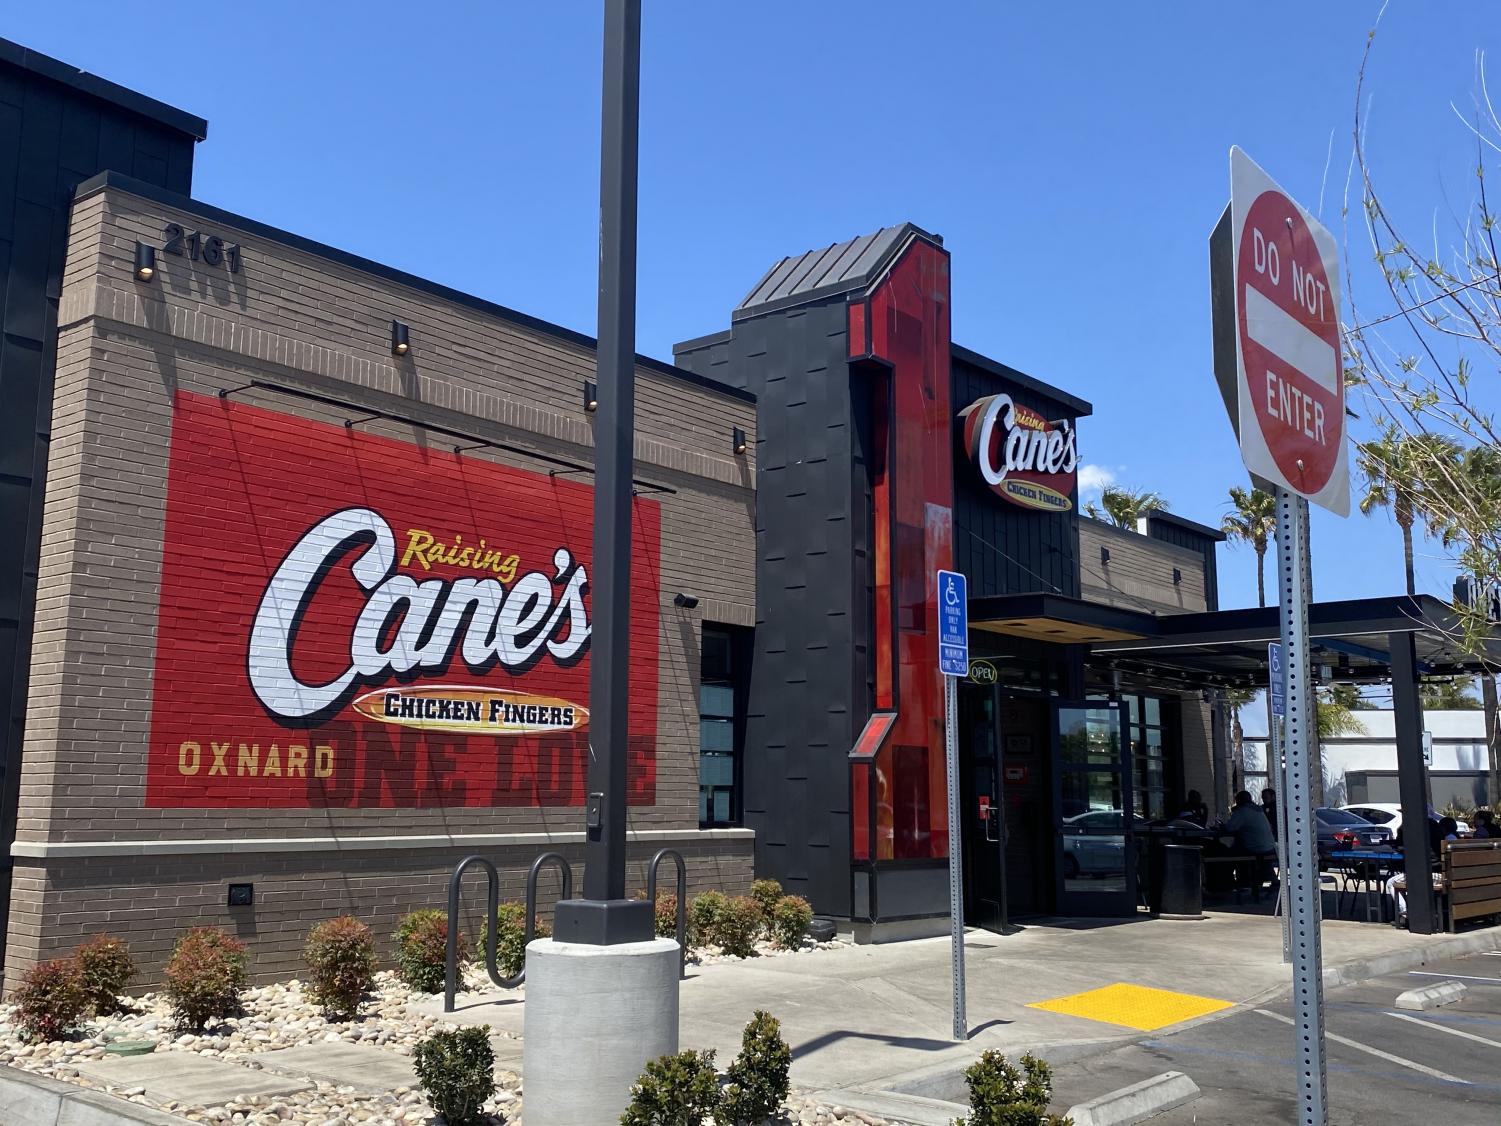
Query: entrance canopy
1227	648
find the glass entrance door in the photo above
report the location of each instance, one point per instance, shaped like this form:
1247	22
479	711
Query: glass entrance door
1092	796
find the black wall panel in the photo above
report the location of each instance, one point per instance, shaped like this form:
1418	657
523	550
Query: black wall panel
811	689
53	136
1001	547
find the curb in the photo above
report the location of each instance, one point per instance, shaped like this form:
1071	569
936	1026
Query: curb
1431	996
1349	973
916	1109
37	1100
1136	1102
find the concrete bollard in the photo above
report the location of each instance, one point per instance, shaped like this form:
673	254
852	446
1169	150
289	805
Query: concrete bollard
595	1016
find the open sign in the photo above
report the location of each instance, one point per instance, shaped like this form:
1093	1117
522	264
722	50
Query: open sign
983	672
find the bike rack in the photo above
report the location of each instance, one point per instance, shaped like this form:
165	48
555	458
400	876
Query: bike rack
492	899
651	895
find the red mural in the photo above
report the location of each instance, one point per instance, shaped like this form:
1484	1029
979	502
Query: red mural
350	620
904	322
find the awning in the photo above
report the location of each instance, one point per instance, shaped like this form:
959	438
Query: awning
1228	648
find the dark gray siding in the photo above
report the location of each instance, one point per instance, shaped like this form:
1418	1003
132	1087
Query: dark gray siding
811	681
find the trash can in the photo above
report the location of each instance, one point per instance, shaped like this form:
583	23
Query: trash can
1179	888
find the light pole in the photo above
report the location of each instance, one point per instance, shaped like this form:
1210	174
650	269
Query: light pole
602	993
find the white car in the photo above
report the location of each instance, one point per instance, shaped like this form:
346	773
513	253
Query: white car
1390	815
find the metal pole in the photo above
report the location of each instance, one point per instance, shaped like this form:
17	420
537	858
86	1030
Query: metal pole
1279	788
603	916
956	856
1302	854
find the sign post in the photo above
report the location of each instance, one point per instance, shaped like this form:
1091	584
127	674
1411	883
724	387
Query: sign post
1277	708
953	662
1274	286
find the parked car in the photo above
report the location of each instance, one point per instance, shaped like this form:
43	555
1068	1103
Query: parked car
1390	815
1094	843
1341	830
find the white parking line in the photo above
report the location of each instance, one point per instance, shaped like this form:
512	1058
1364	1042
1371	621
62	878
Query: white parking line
1454	977
1444	1028
1377	1052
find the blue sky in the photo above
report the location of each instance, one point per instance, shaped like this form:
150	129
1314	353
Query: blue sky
1073	156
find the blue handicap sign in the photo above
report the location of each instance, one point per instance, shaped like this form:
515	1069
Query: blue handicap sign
953	624
1277	677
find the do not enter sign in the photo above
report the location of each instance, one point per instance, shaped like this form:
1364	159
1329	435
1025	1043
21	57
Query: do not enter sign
1289	374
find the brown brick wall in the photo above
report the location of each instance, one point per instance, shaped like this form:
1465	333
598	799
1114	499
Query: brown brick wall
1139	575
297	318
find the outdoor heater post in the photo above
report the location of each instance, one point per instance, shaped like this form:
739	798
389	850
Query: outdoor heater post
1302	877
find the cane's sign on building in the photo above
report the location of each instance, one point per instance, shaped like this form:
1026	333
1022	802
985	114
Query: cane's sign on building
1022	456
350	620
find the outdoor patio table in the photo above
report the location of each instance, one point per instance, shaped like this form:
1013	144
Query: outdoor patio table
1364	871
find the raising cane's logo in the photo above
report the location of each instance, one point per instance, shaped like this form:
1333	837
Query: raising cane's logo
350	620
1022	456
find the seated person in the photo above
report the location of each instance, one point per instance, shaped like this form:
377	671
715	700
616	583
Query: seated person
1253	832
1253	835
1485	826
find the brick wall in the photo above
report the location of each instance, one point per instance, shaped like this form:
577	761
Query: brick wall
88	849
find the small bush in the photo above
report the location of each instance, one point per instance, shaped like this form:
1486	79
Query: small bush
1002	1095
510	937
737	927
674	1091
340	957
456	1067
703	916
766	893
205	976
758	1078
51	1000
106	967
666	913
789	921
422	950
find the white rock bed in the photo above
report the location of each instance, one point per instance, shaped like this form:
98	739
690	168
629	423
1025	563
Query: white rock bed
281	1016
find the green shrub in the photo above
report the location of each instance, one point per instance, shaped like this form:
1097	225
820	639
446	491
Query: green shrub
456	1067
106	967
789	921
703	916
205	976
510	937
340	957
422	950
737	926
678	1090
51	1000
666	912
766	893
757	1078
1002	1095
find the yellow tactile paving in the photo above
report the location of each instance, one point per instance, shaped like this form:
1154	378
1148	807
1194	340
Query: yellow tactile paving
1133	1006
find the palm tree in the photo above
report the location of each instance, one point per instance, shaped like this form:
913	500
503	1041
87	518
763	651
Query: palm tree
1253	521
1396	469
1448	695
1125	507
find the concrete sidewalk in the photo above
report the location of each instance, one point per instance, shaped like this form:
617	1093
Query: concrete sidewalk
879	1016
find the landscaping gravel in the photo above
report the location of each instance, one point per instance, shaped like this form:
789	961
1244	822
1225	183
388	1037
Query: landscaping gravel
281	1016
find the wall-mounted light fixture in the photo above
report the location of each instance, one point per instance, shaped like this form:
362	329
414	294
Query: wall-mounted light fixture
685	601
591	396
145	261
401	342
737	441
1177	576
1104	556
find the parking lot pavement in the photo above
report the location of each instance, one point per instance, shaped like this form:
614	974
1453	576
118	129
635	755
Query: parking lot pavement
1384	1064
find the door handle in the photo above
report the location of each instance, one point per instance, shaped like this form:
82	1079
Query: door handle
992	830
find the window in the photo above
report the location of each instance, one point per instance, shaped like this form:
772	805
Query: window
1144	729
721	723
